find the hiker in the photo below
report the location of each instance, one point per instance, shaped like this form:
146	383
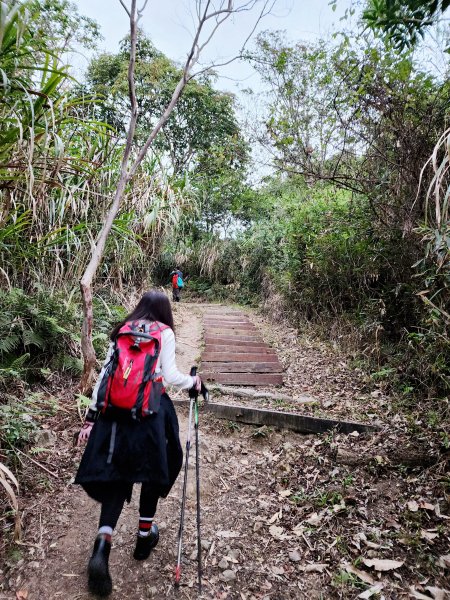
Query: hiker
177	284
127	446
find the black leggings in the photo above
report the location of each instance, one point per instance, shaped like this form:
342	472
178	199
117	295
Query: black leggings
112	506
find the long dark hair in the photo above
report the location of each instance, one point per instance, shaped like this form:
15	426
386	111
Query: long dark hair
153	306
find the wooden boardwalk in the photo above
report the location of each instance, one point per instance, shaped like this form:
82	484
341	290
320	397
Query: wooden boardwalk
235	353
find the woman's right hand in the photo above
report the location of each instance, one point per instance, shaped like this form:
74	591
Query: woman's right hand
198	383
85	432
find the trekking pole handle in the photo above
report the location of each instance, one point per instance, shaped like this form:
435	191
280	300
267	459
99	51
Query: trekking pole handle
193	392
204	391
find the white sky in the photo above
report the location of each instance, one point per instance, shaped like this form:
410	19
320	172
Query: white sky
169	24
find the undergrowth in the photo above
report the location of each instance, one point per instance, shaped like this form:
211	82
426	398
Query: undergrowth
40	341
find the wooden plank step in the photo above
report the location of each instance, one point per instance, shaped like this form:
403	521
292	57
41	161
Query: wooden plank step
235	338
226	313
224	340
237	357
229	324
226	327
233	347
231	332
227	318
252	379
284	420
241	367
225	323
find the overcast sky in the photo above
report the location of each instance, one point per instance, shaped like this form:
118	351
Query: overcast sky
169	24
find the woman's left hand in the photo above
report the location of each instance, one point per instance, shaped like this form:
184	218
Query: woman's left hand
85	432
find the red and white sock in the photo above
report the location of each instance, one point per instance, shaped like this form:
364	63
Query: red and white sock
145	525
106	531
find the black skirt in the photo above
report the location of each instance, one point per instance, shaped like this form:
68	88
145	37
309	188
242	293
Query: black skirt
124	451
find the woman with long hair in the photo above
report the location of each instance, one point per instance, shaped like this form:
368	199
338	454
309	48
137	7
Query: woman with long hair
122	449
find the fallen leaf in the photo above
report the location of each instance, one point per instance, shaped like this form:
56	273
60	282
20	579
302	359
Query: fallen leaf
276	517
361	574
444	561
418	595
375	589
277	570
426	506
339	507
314	519
438	593
413	506
285	493
380	564
276	531
428	535
294	556
21	594
372	545
437	511
227	534
314	568
298	530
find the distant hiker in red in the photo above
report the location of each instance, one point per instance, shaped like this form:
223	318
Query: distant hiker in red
176	277
132	430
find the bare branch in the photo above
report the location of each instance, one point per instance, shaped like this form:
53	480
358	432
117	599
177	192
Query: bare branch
141	10
264	12
125	8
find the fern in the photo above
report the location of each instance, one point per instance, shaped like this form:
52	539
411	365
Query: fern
42	321
19	362
32	338
9	343
69	363
41	330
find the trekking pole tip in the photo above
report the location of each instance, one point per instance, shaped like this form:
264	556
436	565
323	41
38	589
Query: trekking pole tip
177	575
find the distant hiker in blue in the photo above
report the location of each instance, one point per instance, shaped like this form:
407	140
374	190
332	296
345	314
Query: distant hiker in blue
177	284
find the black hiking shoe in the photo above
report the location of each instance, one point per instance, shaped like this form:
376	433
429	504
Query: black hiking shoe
100	582
144	545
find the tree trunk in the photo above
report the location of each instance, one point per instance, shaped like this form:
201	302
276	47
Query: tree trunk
409	457
87	347
240	393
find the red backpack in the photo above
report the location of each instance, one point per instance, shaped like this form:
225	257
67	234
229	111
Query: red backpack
175	280
129	381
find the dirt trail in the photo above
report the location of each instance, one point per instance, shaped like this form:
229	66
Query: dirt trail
280	520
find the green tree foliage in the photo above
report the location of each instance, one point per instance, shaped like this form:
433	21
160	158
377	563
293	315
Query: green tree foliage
201	140
404	21
219	179
364	118
202	119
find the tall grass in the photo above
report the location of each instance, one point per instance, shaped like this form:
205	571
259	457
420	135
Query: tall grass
58	171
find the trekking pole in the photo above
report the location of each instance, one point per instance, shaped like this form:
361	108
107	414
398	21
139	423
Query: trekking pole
183	497
193	395
197	477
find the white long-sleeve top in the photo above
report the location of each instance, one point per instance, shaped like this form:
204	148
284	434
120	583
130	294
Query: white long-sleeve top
166	365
